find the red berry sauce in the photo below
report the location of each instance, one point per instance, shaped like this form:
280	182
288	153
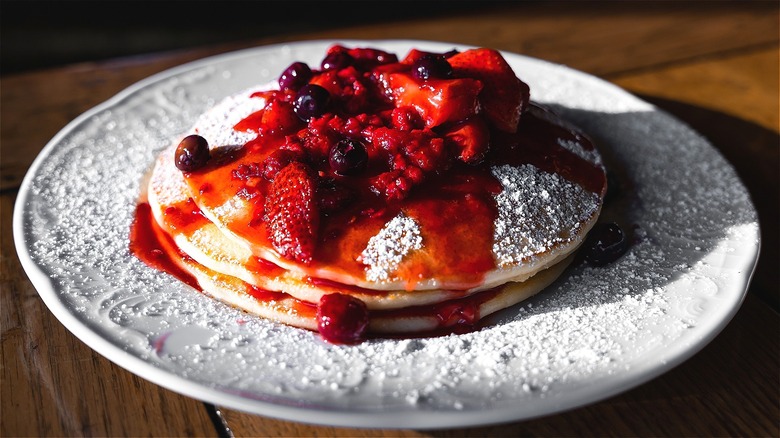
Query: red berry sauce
154	247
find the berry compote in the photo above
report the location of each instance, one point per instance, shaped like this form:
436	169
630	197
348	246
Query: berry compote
343	147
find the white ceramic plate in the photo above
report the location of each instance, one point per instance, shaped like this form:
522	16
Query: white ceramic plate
594	333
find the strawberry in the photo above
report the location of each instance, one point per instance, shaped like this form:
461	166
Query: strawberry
291	213
470	139
276	118
437	100
413	56
330	81
504	96
279	118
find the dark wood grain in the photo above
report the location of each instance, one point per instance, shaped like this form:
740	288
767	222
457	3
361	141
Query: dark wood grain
712	64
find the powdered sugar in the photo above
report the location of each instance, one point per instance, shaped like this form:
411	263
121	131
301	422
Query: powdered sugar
385	251
216	125
537	212
591	156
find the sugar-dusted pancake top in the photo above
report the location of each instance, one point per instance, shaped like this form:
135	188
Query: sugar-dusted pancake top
433	172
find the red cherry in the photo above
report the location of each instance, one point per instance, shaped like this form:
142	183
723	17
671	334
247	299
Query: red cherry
295	76
341	319
192	153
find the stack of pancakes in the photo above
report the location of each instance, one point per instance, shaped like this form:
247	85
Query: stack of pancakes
541	218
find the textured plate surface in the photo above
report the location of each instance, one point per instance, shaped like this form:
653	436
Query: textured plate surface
594	333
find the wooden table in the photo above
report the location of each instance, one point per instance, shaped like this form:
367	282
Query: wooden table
713	65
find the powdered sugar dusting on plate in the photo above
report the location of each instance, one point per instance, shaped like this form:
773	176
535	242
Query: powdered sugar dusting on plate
216	125
595	332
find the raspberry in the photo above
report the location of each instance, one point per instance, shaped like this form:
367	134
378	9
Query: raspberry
318	137
393	185
277	161
406	118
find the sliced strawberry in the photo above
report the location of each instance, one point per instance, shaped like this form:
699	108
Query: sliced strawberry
276	118
292	214
470	139
279	118
251	122
437	100
413	56
504	96
328	80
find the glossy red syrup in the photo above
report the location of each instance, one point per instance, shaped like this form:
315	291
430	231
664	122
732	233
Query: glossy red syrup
185	217
456	215
264	267
457	312
265	295
146	244
324	283
537	142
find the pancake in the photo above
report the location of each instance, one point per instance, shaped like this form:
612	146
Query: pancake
451	310
459	224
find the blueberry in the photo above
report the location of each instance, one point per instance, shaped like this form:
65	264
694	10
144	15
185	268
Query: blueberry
312	101
336	61
605	243
430	67
295	76
348	157
192	153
